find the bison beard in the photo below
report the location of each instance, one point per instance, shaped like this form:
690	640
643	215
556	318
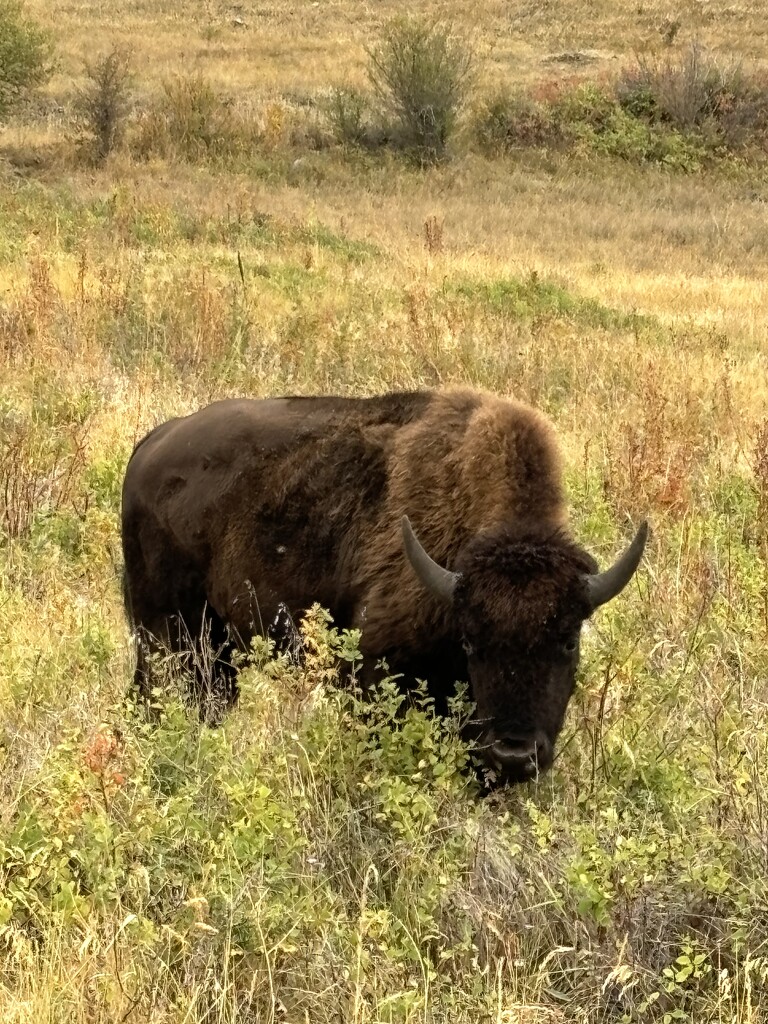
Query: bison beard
240	516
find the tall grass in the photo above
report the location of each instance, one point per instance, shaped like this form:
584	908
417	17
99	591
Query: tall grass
318	858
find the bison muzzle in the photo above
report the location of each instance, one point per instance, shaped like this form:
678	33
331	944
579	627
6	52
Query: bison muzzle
433	521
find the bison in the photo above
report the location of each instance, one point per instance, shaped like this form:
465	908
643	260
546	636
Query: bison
434	521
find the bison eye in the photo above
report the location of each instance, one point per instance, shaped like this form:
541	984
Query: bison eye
570	645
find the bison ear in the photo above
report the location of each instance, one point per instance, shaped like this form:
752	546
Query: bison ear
440	582
604	586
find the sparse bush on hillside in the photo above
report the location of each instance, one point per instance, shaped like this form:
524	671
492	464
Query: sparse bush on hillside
192	121
422	72
105	103
347	112
196	117
196	123
25	54
686	91
696	92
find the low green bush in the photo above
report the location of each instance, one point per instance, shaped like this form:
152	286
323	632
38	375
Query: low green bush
588	118
593	120
333	849
25	54
512	120
347	113
680	111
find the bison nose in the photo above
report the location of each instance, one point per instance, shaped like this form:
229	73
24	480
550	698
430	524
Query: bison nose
528	753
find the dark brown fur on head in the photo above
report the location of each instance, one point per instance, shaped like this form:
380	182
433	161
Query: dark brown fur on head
525	584
519	603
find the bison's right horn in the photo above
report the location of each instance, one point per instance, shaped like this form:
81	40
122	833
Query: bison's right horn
606	585
438	581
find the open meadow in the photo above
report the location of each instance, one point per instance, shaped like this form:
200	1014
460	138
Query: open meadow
308	863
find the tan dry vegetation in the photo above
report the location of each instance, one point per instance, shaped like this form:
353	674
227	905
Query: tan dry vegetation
304	863
299	46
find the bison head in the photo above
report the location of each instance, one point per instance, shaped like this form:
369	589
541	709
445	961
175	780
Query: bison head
518	603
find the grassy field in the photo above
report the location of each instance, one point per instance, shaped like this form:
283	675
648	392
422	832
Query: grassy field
306	862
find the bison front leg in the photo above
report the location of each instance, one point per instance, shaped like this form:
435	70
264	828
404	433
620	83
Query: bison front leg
212	672
142	677
153	657
193	651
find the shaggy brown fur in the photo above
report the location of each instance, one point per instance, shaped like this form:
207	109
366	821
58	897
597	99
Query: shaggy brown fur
248	507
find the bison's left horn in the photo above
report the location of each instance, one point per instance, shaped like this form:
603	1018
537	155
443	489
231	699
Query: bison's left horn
438	581
606	585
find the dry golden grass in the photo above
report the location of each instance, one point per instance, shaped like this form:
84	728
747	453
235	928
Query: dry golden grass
298	47
146	875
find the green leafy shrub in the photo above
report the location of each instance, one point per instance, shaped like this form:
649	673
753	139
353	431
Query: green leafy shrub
422	72
676	112
227	857
586	104
103	478
587	117
25	54
593	120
